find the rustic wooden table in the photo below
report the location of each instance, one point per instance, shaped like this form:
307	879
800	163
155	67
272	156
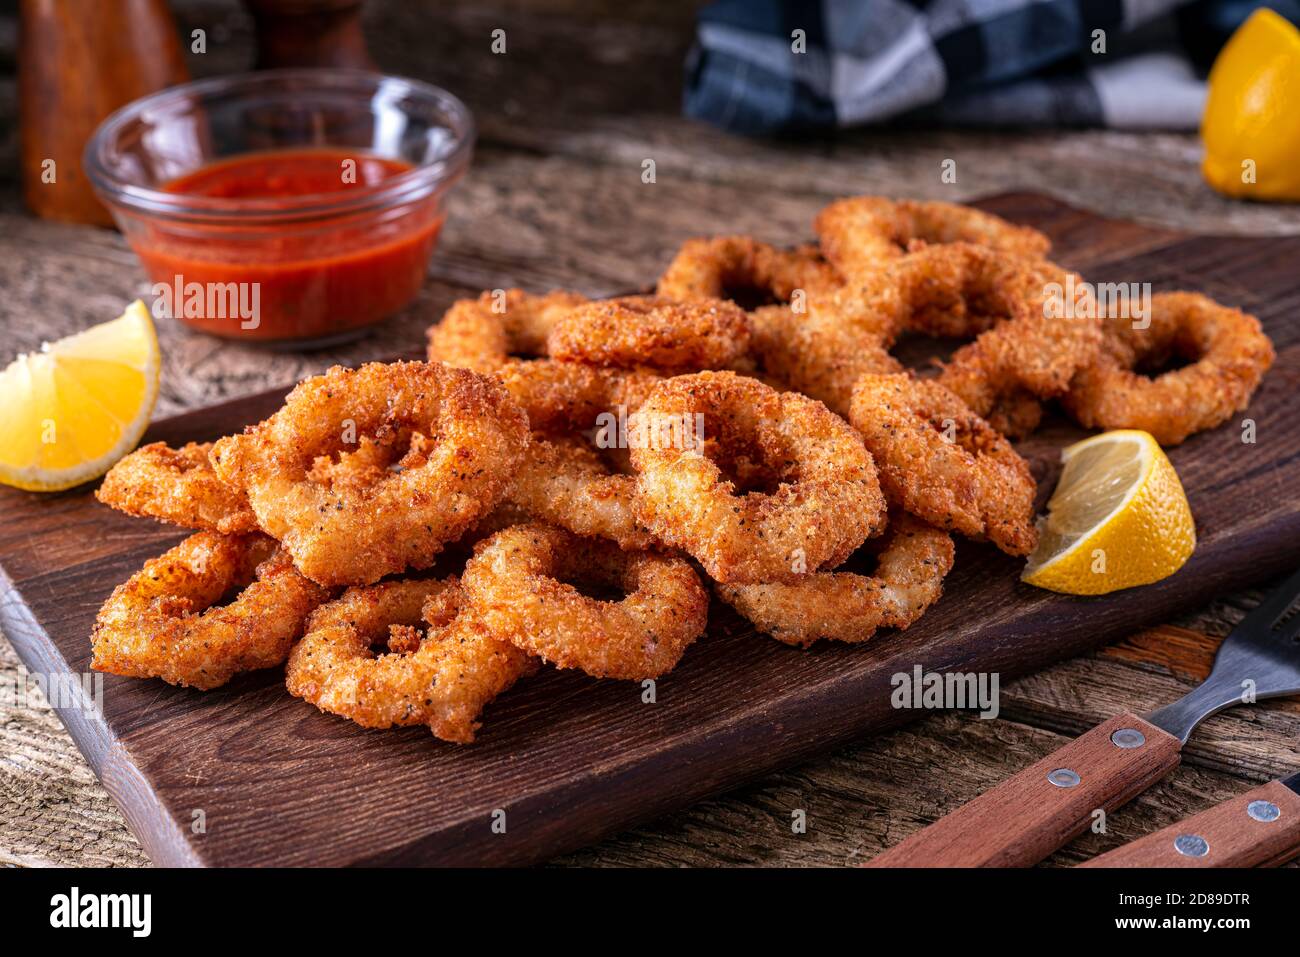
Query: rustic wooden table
587	91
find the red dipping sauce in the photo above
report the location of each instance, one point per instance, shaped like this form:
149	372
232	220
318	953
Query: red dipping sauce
301	254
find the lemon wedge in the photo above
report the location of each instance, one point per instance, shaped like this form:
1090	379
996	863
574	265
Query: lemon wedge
1118	518
1251	124
68	412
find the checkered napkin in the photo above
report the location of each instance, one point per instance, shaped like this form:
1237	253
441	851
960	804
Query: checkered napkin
958	62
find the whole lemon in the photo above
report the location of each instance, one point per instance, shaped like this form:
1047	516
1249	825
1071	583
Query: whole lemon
1251	126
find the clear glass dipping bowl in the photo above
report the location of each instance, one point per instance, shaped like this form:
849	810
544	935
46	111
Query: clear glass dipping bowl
324	265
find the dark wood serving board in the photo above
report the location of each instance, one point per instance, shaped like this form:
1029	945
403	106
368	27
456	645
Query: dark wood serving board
569	759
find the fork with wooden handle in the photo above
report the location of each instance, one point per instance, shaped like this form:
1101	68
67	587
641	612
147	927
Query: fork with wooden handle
1260	828
1026	818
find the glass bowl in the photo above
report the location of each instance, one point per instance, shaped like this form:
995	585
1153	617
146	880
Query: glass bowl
281	259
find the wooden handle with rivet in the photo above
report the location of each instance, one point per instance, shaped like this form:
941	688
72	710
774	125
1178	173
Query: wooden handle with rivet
1260	828
1027	817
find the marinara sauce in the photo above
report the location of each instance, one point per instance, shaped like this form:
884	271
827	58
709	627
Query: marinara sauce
313	274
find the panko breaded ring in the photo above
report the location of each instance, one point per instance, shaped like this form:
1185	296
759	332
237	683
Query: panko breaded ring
860	233
562	481
941	462
557	396
828	501
843	605
164	622
1229	351
176	486
465	437
821	354
517	583
722	267
483	333
442	678
1038	343
633	331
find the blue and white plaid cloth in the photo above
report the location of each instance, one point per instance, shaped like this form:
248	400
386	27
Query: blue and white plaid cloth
958	62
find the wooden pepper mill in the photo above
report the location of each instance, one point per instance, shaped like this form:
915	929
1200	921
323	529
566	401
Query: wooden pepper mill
309	33
78	62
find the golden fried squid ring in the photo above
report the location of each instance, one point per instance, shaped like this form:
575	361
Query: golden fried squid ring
1229	355
828	501
518	580
860	234
440	675
912	559
821	354
941	462
730	267
1034	347
165	621
482	334
464	436
489	334
563	481
957	289
665	333
176	486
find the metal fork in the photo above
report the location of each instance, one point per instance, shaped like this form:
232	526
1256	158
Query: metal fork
1026	818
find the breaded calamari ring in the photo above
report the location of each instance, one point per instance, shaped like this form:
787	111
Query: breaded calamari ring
176	486
441	675
821	354
828	501
1229	355
860	233
517	582
941	462
464	433
912	559
901	258
557	396
164	622
482	333
727	267
563	481
1039	342
631	331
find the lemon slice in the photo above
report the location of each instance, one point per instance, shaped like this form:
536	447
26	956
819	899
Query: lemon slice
68	412
1251	125
1118	518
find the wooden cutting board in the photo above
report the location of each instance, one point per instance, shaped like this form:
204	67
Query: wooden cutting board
248	775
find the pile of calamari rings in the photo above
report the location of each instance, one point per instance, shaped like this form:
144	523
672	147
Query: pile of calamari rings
563	478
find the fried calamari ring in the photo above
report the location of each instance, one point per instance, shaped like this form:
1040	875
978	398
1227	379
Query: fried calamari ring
665	333
517	582
165	621
842	605
821	354
941	462
464	436
176	486
1229	355
441	676
861	233
483	333
563	481
1039	342
557	396
828	501
730	267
